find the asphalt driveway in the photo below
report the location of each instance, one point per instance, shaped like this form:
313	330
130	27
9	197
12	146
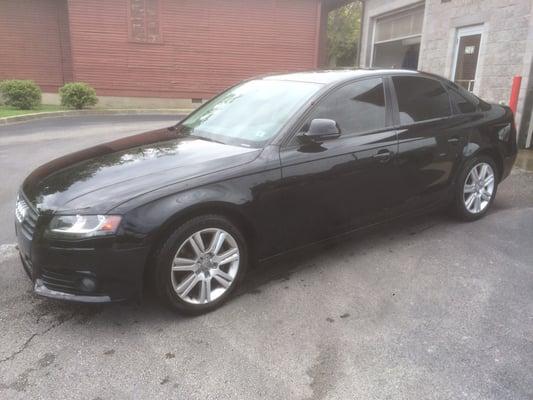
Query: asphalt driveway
427	308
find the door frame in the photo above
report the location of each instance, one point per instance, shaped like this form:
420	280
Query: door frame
462	32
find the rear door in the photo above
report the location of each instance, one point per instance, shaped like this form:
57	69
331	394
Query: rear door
344	182
430	140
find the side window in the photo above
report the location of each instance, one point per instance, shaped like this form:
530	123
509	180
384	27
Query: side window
420	99
357	107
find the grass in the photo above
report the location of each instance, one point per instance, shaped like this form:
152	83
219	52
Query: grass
6	111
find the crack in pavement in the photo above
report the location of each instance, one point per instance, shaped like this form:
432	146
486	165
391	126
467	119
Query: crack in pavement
30	339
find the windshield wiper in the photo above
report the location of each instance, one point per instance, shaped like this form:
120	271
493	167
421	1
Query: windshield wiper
207	139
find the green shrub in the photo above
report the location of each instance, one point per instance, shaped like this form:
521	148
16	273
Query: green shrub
24	95
77	95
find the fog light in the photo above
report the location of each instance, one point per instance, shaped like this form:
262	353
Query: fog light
88	284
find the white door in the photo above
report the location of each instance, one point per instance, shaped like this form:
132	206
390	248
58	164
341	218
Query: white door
467	49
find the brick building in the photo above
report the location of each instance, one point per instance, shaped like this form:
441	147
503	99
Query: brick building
480	44
164	52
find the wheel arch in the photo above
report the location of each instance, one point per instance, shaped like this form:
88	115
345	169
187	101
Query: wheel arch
227	210
474	150
495	156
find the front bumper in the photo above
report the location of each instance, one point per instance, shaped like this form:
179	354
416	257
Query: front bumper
42	290
86	271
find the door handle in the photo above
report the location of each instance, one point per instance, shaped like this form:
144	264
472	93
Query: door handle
383	156
453	140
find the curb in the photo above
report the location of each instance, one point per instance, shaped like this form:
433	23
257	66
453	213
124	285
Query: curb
77	113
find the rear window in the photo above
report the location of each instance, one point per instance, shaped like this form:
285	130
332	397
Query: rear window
466	101
420	99
464	106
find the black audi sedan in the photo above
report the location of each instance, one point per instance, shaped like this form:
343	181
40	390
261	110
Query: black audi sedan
272	164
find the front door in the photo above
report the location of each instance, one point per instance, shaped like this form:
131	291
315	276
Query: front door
344	182
467	47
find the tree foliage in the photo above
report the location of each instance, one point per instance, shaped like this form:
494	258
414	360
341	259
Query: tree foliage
344	28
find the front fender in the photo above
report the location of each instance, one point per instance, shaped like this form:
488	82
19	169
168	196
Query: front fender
159	214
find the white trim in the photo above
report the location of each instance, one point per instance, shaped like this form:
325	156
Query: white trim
397	39
374	20
529	135
399	10
462	32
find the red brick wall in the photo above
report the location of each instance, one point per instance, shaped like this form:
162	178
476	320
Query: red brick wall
205	45
34	42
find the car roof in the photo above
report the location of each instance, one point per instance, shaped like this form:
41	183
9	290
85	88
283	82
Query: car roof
335	76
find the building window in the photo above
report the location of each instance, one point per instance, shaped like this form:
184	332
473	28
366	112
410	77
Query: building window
144	23
397	37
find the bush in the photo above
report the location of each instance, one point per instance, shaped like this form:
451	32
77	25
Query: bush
24	95
77	95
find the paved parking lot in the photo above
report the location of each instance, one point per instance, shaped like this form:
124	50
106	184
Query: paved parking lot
427	308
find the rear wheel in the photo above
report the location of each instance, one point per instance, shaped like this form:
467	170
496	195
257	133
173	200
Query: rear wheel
476	188
201	264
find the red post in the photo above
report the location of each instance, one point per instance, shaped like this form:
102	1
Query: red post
515	91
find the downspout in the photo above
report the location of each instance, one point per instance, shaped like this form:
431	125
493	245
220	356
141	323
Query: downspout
360	42
318	33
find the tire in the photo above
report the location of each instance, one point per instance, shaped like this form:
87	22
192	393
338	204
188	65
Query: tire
206	285
466	207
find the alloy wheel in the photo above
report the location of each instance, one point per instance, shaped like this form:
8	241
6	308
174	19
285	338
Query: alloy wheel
478	188
205	266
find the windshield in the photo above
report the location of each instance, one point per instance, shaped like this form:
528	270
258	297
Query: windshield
249	114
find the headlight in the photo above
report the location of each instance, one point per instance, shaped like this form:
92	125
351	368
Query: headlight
83	226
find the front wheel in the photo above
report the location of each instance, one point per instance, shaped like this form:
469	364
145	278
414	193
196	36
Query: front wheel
476	188
200	264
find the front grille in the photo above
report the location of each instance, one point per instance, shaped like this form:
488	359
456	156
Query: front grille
27	217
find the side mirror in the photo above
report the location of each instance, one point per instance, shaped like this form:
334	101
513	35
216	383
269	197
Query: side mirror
320	130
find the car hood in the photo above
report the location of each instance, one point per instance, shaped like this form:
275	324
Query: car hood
104	176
